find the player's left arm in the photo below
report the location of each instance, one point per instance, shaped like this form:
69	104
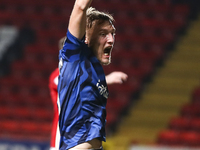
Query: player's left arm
116	77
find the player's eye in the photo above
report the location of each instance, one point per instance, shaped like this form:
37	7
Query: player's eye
103	34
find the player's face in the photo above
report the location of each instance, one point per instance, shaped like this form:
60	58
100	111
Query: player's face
101	40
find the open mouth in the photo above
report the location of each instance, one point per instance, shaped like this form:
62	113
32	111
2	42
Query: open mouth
107	51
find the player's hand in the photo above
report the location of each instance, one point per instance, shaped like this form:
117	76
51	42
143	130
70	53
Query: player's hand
116	77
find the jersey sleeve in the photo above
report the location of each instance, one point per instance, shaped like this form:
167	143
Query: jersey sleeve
72	48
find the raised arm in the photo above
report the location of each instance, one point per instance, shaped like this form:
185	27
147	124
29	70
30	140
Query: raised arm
77	22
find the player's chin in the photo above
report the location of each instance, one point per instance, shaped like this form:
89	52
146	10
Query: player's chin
106	61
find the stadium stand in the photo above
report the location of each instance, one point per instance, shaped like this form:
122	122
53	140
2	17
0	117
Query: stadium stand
185	124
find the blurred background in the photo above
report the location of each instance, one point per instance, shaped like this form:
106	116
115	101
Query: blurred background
157	45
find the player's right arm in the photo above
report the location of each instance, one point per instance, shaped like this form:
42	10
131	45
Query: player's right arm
77	22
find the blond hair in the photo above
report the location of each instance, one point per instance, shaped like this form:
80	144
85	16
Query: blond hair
93	15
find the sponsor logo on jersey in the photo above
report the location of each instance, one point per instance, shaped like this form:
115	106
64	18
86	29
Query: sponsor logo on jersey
102	89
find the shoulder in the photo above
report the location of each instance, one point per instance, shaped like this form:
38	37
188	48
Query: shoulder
73	48
72	39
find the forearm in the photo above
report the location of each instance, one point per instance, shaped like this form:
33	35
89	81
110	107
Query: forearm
77	22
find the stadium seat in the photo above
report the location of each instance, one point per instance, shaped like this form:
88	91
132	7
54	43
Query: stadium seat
195	125
179	123
43	114
8	126
5	113
196	95
29	127
190	139
35	130
112	118
117	104
168	138
22	113
190	110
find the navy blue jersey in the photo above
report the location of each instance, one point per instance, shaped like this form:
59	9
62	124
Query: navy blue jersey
83	94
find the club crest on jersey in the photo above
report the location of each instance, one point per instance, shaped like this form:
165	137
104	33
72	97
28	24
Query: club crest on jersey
102	89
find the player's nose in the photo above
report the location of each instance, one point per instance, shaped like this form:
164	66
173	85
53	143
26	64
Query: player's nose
110	38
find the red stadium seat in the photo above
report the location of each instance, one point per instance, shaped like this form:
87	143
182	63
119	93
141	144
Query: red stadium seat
43	114
190	110
112	117
45	128
33	129
117	104
190	139
10	126
179	123
5	113
196	95
22	113
195	125
29	127
168	137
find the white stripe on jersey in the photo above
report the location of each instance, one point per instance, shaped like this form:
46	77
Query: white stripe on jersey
57	140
